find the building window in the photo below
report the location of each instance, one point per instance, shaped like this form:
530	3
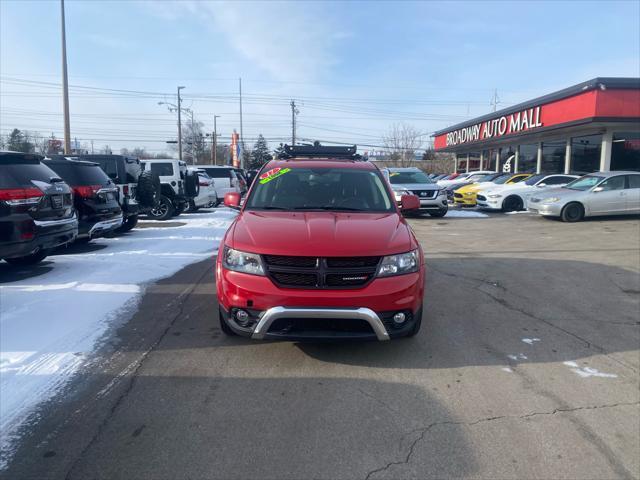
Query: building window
507	160
489	160
553	155
625	151
474	161
462	162
585	154
528	158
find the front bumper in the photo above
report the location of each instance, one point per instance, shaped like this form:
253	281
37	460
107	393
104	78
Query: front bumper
373	304
465	200
261	330
490	203
547	209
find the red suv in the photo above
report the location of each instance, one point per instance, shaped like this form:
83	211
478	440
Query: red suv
320	250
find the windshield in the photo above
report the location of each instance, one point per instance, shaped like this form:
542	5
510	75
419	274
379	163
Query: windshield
584	183
533	179
502	179
408	177
337	189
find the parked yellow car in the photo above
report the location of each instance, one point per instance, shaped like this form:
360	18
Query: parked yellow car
466	196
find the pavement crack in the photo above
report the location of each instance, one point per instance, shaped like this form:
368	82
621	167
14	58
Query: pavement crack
501	301
424	430
181	301
522	311
381	402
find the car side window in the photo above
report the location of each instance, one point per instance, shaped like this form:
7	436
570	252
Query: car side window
162	169
633	181
613	183
556	180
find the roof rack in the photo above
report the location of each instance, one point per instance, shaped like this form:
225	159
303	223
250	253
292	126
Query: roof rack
318	151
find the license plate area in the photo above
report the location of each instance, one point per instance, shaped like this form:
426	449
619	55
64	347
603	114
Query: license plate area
57	202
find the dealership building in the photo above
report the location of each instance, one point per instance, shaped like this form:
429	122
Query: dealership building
589	127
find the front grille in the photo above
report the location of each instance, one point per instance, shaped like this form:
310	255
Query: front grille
319	272
426	193
296	279
283	261
481	198
292	326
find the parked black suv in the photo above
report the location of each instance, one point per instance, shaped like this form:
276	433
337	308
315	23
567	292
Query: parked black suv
139	190
95	196
36	209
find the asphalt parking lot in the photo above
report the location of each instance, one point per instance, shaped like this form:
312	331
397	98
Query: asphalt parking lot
526	367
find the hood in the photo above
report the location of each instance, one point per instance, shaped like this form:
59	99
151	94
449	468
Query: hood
561	192
324	234
416	186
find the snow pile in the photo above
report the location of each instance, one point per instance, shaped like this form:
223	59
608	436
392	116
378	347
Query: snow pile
49	323
455	213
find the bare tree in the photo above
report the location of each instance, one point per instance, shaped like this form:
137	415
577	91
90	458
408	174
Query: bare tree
402	141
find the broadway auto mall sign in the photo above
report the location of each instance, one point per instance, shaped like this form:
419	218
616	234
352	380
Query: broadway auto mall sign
515	122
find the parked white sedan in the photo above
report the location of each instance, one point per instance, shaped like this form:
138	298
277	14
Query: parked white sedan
207	196
606	193
513	197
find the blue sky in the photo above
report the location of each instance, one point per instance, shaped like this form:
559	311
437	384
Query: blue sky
354	68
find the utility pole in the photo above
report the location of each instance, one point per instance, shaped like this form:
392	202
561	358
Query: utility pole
495	100
65	85
294	112
179	126
241	132
91	147
214	145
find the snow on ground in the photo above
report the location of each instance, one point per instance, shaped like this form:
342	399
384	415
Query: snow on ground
50	323
465	214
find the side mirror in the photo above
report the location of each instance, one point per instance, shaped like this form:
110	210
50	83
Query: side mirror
598	189
409	202
232	200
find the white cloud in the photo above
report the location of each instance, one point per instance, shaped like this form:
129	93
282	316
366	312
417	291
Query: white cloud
291	41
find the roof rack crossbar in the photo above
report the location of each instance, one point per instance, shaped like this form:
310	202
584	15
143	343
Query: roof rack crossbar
318	151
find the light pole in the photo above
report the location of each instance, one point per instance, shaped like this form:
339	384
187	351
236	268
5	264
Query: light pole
176	108
214	147
65	85
179	125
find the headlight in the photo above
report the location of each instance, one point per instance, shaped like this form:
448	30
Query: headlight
495	195
551	200
399	264
242	262
442	192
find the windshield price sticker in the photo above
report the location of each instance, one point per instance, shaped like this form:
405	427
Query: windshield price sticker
273	173
393	174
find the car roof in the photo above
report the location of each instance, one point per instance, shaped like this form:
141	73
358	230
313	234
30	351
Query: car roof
70	161
8	156
613	173
216	166
404	169
322	163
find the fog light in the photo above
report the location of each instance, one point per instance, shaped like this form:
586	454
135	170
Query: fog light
242	317
399	318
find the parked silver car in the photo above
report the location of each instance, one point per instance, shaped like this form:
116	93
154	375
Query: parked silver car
605	193
412	180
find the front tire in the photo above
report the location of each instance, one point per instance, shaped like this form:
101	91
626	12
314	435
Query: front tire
224	326
572	212
416	326
28	259
512	204
164	210
439	213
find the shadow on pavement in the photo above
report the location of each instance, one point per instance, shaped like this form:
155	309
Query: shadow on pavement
11	273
